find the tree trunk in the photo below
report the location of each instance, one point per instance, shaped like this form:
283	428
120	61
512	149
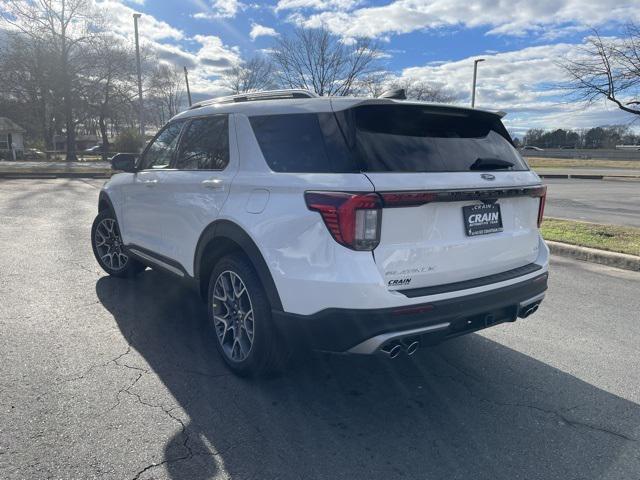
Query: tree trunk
104	135
46	130
71	132
68	101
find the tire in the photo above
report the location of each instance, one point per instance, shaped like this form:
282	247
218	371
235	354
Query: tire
108	249
257	349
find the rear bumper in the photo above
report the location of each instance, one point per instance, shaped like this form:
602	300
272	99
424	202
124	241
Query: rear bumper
366	330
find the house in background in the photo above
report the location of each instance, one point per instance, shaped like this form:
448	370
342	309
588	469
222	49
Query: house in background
11	139
82	142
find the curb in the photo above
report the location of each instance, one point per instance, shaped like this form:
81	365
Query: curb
45	175
611	259
584	176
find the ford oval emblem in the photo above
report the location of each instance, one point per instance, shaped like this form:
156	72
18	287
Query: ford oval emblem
488	176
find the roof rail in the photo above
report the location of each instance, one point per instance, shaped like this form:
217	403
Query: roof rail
254	96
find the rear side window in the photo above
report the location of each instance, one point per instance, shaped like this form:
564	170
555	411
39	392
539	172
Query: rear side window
302	143
415	138
205	144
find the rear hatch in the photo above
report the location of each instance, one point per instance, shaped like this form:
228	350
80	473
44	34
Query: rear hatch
459	201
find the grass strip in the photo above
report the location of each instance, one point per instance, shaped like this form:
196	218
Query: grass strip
538	162
593	235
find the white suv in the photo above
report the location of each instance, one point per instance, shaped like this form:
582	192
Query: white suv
343	224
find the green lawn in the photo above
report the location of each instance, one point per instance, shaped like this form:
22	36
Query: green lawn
593	235
537	162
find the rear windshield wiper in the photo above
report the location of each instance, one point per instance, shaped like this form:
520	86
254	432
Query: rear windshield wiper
489	163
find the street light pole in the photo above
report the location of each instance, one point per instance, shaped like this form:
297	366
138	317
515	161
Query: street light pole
136	16
186	79
475	76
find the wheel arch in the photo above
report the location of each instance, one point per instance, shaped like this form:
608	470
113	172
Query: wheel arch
221	238
104	202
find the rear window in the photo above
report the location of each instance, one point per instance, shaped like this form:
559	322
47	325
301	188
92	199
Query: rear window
386	138
414	138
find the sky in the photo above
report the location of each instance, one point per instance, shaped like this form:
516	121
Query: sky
432	40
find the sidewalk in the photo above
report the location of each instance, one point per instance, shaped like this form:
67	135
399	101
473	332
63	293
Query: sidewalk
43	169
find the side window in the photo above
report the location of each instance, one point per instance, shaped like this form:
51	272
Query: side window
205	144
302	143
160	152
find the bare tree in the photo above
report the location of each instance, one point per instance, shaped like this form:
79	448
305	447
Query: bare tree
373	84
25	76
252	76
165	94
317	60
422	91
64	26
607	69
108	81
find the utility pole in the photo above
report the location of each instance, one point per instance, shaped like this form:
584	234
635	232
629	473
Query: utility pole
186	79
136	16
475	75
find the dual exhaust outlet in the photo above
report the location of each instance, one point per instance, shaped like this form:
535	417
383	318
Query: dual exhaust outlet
409	345
529	310
395	348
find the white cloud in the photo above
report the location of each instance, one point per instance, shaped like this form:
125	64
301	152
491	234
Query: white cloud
317	4
206	56
215	54
221	9
262	31
120	19
550	18
522	83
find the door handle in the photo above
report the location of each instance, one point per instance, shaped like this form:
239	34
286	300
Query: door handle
150	183
213	184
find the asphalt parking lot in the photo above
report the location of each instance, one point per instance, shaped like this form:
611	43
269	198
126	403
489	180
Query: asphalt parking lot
118	379
601	201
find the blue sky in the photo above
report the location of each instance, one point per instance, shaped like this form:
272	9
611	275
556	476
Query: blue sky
434	41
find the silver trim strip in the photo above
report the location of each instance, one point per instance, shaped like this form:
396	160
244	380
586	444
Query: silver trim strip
372	344
160	263
529	301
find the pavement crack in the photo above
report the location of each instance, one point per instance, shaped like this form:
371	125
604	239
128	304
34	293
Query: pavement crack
115	360
123	390
576	423
167	411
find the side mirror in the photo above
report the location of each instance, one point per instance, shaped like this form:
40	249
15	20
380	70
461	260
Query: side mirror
125	162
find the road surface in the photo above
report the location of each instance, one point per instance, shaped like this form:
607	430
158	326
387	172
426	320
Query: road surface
601	201
116	379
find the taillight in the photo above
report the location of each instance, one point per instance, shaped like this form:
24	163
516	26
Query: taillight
353	219
542	193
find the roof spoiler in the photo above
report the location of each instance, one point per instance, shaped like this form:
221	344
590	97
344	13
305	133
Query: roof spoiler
395	94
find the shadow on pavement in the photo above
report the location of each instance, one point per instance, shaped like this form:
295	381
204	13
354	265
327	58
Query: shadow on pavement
471	408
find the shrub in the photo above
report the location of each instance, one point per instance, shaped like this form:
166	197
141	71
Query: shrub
129	141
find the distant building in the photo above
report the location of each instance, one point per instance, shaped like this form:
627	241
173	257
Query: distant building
11	139
82	142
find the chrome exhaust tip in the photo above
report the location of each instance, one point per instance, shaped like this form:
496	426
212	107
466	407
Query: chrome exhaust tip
392	350
530	311
410	346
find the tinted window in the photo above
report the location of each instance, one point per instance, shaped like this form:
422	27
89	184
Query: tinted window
205	144
160	152
302	142
413	138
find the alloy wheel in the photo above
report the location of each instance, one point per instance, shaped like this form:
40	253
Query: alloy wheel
109	244
233	316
